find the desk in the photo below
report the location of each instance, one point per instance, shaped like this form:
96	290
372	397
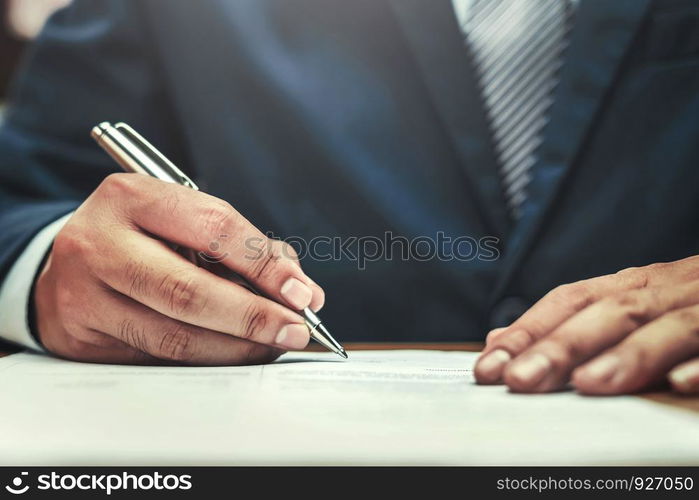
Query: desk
690	403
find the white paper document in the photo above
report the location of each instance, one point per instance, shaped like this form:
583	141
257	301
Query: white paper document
378	407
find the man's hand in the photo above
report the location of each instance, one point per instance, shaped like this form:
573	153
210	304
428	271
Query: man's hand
615	334
113	291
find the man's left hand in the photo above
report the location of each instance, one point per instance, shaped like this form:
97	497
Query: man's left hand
616	334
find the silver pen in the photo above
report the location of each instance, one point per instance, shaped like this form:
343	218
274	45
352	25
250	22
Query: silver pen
135	154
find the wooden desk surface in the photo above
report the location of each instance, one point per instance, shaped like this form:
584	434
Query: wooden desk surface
667	397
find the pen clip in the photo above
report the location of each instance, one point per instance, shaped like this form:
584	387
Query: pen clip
156	156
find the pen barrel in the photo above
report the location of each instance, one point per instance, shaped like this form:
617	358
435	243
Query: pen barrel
134	154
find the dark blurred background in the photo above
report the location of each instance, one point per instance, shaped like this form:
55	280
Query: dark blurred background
20	22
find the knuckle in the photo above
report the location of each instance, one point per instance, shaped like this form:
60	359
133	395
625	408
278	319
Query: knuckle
119	185
136	274
67	301
636	277
515	341
576	295
177	344
254	321
215	220
71	242
182	295
129	332
536	327
172	201
563	351
265	263
634	306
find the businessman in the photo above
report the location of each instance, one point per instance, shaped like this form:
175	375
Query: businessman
563	131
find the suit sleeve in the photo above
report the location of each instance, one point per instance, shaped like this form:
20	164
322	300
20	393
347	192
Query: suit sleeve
15	292
91	63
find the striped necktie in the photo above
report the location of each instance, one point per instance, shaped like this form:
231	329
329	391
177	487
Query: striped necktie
516	48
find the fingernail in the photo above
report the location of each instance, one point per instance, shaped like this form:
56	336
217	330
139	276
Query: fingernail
491	365
296	293
293	336
685	378
602	369
531	369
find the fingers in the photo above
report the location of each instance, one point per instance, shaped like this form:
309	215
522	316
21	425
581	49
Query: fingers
146	331
318	300
494	362
544	316
92	346
564	302
548	363
196	220
154	275
685	377
220	270
644	357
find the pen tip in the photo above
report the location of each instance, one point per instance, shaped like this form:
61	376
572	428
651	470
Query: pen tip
343	353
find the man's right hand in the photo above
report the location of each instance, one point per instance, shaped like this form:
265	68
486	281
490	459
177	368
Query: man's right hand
114	291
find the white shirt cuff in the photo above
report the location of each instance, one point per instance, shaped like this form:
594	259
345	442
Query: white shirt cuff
17	287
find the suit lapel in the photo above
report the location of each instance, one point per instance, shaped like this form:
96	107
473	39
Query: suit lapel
602	31
431	30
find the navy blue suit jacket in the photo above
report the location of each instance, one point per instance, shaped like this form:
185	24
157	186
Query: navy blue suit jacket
355	118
